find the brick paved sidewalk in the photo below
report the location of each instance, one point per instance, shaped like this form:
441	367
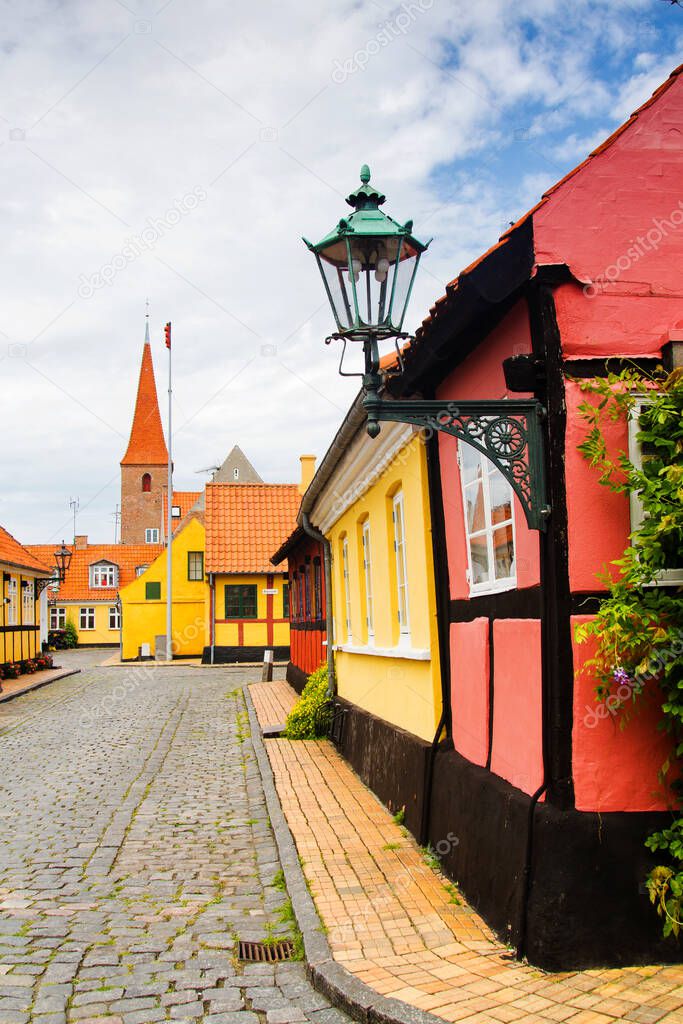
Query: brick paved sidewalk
272	701
398	926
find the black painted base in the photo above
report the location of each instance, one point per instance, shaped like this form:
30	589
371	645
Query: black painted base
239	655
587	907
296	677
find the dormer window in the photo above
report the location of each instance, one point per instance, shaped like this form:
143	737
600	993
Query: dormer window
104	574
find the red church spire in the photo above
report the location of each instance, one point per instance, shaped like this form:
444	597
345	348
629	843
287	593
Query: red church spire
146	446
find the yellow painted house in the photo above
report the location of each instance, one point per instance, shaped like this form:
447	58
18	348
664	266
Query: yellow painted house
248	599
369	500
20	614
228	602
88	596
143	601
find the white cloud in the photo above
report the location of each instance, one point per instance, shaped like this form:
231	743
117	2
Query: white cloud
126	110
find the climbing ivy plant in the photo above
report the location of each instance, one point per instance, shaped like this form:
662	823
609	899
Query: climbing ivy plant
638	630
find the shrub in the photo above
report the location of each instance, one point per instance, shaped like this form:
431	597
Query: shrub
29	666
70	634
10	670
301	721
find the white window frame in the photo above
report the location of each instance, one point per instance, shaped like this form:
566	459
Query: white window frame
490	586
87	613
667	577
152	535
12	602
114	616
28	604
367	577
104	575
398	518
346	583
57	617
139	569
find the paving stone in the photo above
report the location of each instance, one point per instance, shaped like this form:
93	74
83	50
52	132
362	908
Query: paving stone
132	866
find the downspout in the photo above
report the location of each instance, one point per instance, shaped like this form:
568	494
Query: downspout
442	588
327	560
212	614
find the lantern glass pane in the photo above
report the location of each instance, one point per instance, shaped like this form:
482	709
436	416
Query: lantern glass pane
373	260
336	275
404	271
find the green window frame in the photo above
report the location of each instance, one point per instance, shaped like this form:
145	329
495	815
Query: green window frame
153	591
285	600
195	565
241	601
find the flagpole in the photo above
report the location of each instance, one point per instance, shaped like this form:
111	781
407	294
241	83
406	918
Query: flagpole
169	511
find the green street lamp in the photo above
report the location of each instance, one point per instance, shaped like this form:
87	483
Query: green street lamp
368	264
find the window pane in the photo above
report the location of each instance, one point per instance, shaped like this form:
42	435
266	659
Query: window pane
474	505
501	498
249	602
503	552
470	463
479	555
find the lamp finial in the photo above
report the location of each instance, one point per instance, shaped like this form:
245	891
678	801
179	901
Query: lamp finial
365	174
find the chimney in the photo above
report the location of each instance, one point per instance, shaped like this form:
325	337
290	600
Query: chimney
81	541
307	471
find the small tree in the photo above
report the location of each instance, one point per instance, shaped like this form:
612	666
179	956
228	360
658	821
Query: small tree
70	634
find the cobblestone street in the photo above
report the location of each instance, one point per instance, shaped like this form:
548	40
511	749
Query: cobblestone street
136	850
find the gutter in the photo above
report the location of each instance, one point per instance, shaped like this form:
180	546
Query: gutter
212	615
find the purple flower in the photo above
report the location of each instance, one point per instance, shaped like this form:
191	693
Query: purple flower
621	677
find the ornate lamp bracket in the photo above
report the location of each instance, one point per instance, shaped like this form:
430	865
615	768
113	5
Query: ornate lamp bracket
42	582
508	432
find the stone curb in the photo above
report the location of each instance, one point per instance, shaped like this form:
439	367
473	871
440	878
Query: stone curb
37	685
326	975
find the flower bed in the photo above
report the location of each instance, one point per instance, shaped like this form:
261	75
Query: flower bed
14	669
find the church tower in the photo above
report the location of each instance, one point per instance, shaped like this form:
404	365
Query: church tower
144	467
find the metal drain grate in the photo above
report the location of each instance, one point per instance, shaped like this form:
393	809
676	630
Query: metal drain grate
265	952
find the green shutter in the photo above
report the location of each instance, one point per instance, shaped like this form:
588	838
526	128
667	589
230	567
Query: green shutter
152	591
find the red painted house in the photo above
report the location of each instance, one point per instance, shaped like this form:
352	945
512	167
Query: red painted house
551	805
307	605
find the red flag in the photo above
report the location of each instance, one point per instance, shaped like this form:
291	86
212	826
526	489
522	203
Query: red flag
167	334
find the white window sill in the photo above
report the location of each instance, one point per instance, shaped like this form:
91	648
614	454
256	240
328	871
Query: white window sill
499	588
407	653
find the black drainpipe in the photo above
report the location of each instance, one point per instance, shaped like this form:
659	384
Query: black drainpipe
557	658
442	587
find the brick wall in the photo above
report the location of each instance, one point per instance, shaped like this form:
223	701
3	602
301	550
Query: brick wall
141	510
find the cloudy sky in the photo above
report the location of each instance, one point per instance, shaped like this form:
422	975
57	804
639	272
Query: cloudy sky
178	150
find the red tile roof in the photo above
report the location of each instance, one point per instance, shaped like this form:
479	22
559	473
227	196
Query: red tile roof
146	446
15	554
245	523
186	499
76	586
452	286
